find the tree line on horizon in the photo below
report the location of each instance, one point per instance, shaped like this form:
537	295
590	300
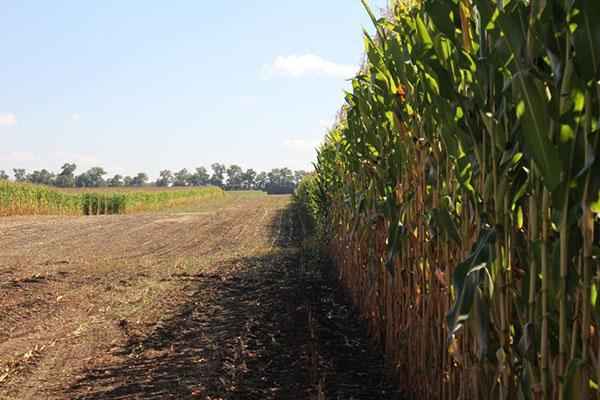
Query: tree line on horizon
234	177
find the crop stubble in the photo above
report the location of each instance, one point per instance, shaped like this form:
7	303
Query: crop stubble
207	301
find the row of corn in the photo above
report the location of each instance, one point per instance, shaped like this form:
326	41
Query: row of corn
459	192
24	199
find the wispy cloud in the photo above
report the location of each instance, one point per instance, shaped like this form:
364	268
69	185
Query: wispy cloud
297	66
70	120
301	145
8	120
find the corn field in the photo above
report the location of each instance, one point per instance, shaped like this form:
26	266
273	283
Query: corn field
26	199
459	193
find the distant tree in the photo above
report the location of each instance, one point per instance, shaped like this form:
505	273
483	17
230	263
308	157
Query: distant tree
97	176
115	181
260	181
91	178
280	181
248	179
180	178
218	176
277	181
165	178
140	179
199	178
20	174
42	177
3	175
83	180
234	177
66	178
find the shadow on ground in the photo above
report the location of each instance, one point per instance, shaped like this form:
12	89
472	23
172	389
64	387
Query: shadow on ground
267	327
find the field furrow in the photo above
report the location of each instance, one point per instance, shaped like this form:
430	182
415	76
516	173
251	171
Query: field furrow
205	301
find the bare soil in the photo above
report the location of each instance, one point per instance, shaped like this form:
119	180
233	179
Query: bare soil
229	299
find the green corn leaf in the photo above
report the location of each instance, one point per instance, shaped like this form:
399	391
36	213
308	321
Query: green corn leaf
468	276
442	218
377	25
464	173
586	38
535	120
422	33
394	233
482	320
442	15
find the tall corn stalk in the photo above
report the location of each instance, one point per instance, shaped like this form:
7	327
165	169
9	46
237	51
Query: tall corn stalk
459	193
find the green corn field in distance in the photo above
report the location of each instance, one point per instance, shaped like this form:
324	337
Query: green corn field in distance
27	199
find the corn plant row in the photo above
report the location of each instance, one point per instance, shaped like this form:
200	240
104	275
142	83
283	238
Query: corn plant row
460	195
26	199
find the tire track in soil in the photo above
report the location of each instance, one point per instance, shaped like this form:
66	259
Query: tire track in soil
256	319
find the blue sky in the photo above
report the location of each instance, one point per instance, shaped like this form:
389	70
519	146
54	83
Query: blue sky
146	85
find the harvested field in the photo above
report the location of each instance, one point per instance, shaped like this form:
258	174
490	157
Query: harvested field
227	299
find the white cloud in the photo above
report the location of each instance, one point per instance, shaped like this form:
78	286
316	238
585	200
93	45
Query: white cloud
301	145
8	120
70	121
298	66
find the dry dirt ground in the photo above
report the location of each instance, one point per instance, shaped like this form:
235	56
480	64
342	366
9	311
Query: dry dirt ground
227	299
